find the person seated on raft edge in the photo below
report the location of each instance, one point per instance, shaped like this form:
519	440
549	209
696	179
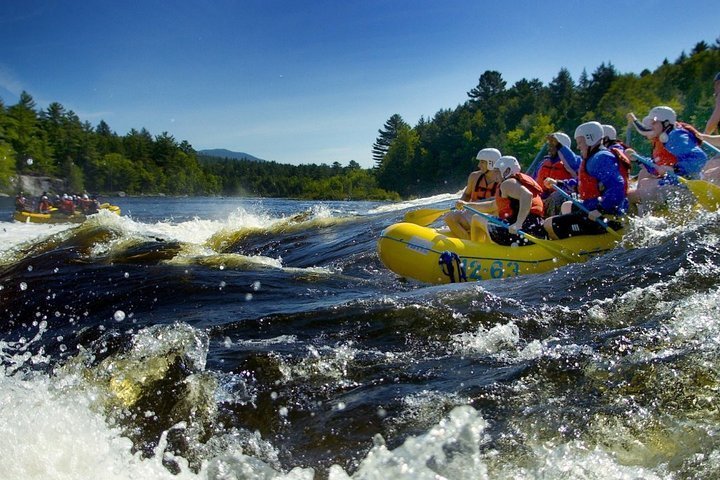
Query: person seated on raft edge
561	164
88	206
602	187
711	170
714	119
481	185
44	205
610	139
67	206
21	202
675	148
518	203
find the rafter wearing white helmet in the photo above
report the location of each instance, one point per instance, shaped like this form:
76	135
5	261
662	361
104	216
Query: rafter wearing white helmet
507	165
590	132
609	132
663	114
563	138
490	155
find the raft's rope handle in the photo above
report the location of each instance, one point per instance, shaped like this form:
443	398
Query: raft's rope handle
448	262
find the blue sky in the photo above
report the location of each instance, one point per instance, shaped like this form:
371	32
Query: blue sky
313	81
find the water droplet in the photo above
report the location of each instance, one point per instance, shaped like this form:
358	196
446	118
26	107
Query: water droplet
256	285
126	275
30	268
248	296
273	395
341	406
283	411
222	285
119	316
23	286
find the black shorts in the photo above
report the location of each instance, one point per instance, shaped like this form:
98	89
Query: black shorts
574	224
533	225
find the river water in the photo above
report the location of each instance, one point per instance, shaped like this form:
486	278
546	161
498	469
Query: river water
228	338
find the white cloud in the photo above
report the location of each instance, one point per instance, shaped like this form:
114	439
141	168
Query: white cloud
9	82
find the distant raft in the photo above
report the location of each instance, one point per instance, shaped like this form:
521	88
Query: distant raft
432	256
55	216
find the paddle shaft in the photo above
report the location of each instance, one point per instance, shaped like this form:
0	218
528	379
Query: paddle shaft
651	166
712	147
535	165
706	193
538	241
582	207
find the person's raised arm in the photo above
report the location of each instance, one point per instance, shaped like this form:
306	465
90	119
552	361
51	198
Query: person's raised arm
714	119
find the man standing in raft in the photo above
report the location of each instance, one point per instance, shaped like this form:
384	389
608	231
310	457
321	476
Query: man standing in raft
481	185
518	203
602	186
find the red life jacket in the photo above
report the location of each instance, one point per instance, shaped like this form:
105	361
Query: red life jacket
483	192
67	206
507	207
555	170
663	156
589	186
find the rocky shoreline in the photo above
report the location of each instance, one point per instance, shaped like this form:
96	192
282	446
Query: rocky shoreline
35	185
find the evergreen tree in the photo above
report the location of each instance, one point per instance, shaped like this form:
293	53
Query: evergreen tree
398	161
562	99
7	154
490	86
7	165
107	141
488	97
386	137
602	79
700	47
28	140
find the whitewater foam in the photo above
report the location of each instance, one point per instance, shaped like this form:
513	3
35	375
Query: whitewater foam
392	207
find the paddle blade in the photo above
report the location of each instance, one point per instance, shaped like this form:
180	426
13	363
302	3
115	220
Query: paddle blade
552	248
425	216
612	232
707	194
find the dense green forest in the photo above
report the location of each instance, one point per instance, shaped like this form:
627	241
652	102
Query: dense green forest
433	156
439	152
272	179
54	142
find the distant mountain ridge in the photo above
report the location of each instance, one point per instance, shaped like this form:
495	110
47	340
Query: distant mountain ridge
224	153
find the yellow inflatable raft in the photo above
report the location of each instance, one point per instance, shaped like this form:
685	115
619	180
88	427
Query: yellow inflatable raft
416	252
56	217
